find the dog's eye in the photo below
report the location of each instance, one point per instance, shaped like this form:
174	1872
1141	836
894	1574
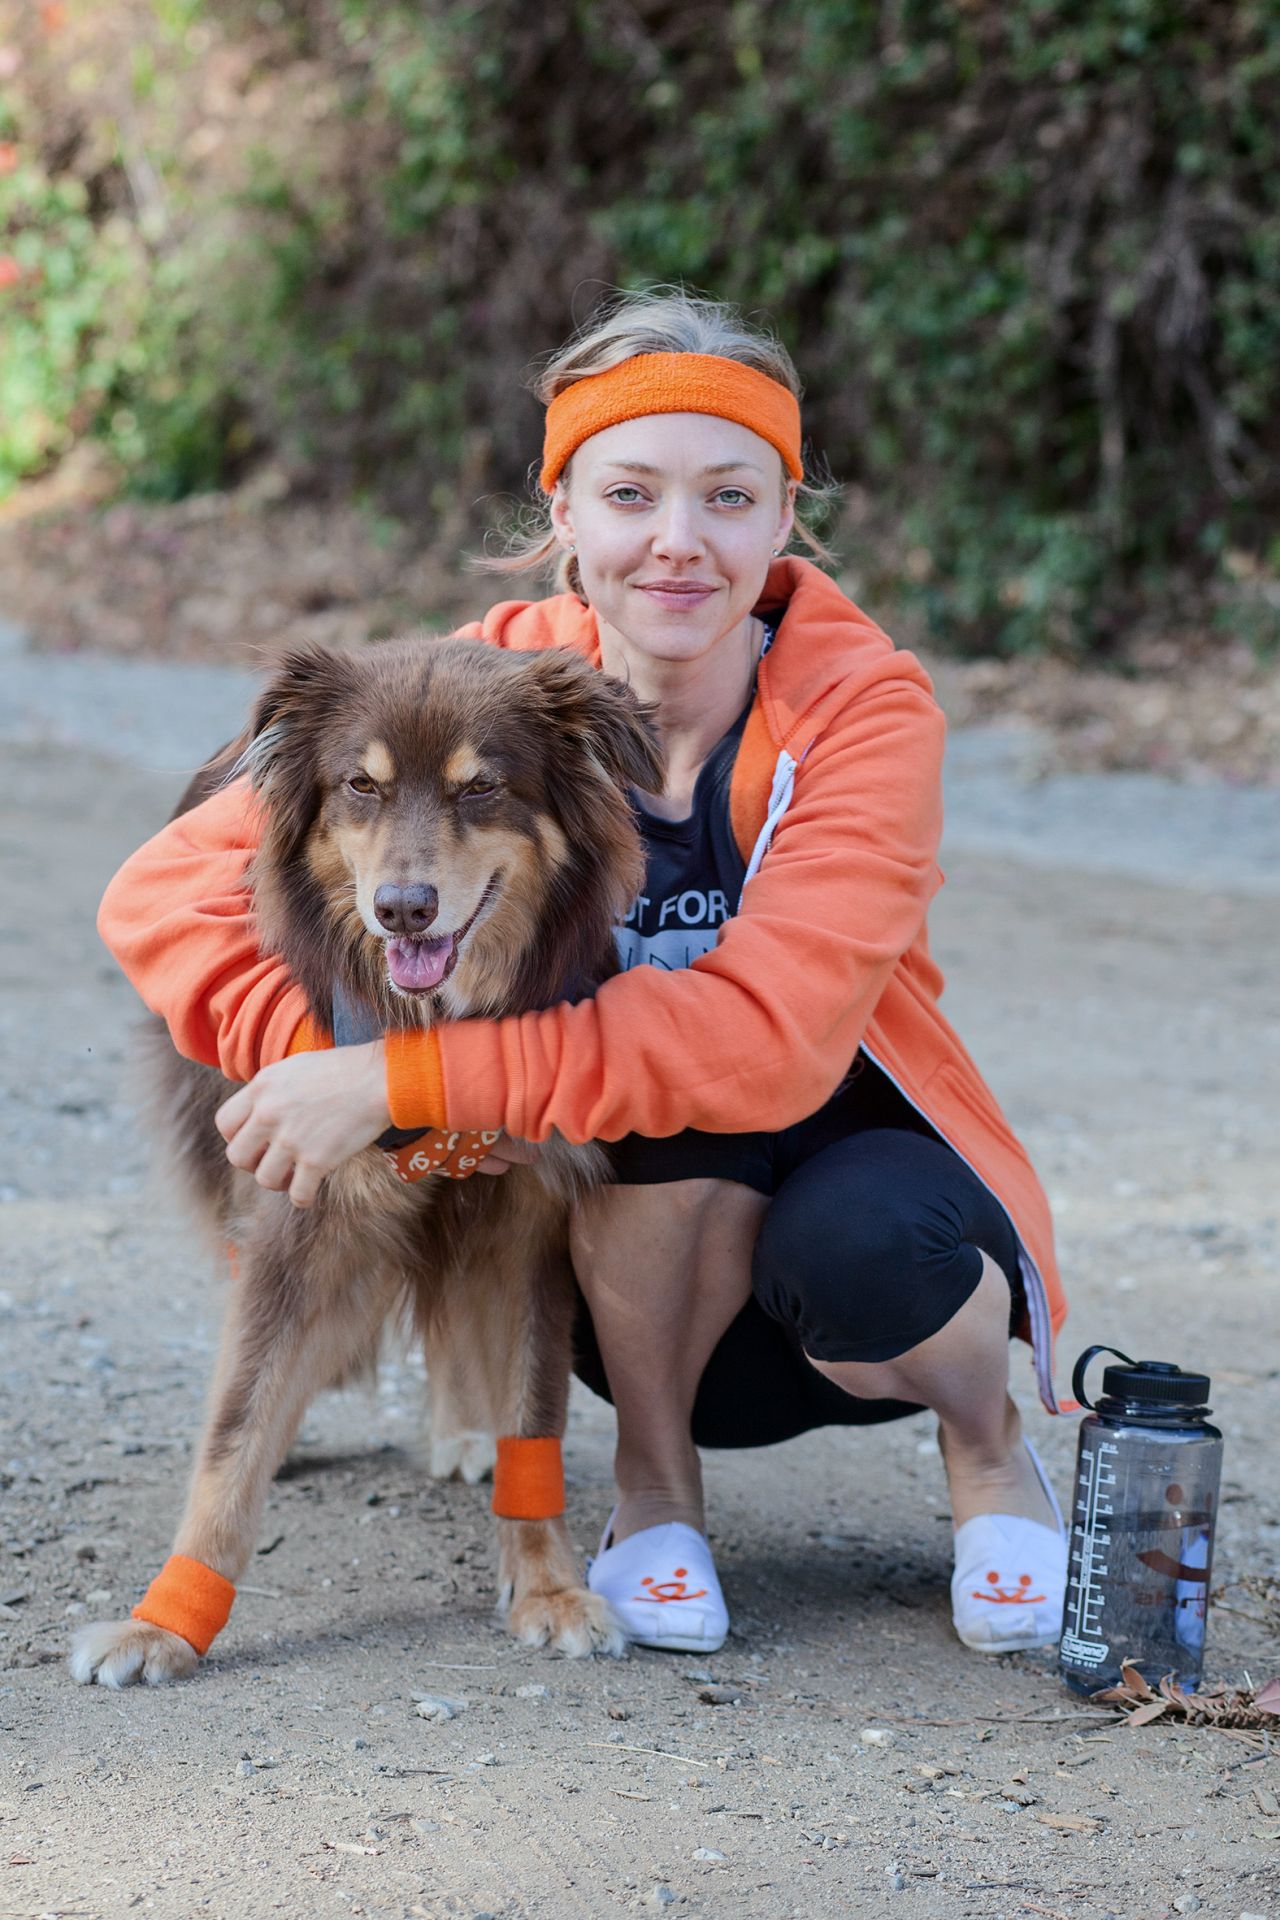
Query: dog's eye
479	789
361	783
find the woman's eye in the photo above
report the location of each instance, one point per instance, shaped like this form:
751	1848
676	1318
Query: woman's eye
734	497
361	783
626	496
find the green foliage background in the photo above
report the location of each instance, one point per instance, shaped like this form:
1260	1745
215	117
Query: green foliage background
1027	257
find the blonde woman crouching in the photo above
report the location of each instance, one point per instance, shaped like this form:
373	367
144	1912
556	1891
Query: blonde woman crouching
820	1216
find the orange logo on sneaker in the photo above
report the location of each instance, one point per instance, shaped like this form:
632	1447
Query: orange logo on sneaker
673	1589
1004	1597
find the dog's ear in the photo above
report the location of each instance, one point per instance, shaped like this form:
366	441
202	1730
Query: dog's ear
603	719
280	759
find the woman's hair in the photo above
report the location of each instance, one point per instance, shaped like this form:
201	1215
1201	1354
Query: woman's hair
655	320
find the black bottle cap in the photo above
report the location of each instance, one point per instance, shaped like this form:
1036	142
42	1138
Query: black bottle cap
1148	1383
1155	1383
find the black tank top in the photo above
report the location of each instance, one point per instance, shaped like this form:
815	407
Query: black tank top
694	869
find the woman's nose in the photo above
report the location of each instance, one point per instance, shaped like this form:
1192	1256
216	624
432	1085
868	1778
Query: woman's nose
677	535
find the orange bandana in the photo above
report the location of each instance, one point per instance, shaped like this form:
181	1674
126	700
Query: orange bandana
671	383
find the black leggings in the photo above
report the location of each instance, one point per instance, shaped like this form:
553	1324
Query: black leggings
873	1240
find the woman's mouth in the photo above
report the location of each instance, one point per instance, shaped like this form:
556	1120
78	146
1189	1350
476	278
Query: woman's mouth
679	596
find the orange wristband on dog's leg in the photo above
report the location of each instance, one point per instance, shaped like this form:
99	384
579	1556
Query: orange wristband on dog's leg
528	1481
189	1599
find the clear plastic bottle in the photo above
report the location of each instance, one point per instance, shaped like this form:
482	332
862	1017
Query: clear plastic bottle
1146	1500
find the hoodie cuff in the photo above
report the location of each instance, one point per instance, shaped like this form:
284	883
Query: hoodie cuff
308	1037
415	1079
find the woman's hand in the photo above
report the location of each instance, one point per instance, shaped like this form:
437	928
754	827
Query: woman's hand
506	1153
298	1120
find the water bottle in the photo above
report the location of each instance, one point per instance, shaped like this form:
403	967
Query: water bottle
1146	1499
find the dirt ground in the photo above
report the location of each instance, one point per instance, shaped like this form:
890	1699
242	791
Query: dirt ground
1131	1030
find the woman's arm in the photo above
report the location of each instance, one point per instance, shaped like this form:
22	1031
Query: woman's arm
178	919
758	1032
755	1034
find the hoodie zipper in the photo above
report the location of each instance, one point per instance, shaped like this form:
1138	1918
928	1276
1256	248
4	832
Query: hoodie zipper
784	780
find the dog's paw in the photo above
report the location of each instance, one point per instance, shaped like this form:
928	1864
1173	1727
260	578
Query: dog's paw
468	1455
118	1653
571	1621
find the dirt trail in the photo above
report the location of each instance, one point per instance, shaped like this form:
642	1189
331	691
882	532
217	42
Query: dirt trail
1131	1030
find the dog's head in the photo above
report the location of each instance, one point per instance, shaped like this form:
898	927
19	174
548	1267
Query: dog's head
447	829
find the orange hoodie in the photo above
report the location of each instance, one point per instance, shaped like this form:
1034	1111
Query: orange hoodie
836	804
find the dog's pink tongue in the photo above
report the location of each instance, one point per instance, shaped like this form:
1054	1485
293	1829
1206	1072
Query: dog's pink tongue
416	965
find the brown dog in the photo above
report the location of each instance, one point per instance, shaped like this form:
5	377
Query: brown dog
445	832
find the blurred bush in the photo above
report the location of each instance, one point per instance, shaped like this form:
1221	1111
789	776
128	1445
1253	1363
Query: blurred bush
1027	258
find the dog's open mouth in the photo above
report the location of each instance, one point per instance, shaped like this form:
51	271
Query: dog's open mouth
421	962
416	964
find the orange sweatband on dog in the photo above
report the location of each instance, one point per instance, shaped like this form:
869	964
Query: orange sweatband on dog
189	1599
528	1481
671	383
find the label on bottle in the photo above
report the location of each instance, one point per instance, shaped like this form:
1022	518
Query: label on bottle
1086	1653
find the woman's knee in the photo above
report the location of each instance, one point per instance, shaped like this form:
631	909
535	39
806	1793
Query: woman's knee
628	1228
860	1261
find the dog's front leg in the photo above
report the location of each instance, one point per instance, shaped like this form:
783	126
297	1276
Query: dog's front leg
462	1416
296	1321
541	1587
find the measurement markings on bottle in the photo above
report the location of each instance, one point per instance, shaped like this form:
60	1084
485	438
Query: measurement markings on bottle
1082	1639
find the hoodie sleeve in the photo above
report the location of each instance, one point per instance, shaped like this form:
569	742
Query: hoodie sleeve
178	919
759	1032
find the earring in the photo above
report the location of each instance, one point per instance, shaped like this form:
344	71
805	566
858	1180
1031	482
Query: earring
571	548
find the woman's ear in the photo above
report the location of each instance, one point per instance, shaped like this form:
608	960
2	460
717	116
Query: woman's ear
562	516
787	517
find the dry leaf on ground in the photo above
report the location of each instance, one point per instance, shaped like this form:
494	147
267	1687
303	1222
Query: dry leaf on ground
1219	1706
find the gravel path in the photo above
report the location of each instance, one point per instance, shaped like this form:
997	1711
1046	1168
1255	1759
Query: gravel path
1131	1030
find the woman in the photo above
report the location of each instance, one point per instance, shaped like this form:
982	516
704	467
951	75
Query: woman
820	1215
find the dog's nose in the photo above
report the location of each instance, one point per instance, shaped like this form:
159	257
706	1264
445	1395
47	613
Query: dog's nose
406	909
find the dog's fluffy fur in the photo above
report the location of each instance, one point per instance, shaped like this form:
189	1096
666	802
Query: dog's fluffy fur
499	782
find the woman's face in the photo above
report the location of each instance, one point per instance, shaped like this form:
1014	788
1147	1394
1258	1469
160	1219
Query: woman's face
675	518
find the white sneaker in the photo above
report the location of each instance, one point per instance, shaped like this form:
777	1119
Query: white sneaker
662	1584
1010	1578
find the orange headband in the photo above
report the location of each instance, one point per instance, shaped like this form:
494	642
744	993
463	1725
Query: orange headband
671	383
